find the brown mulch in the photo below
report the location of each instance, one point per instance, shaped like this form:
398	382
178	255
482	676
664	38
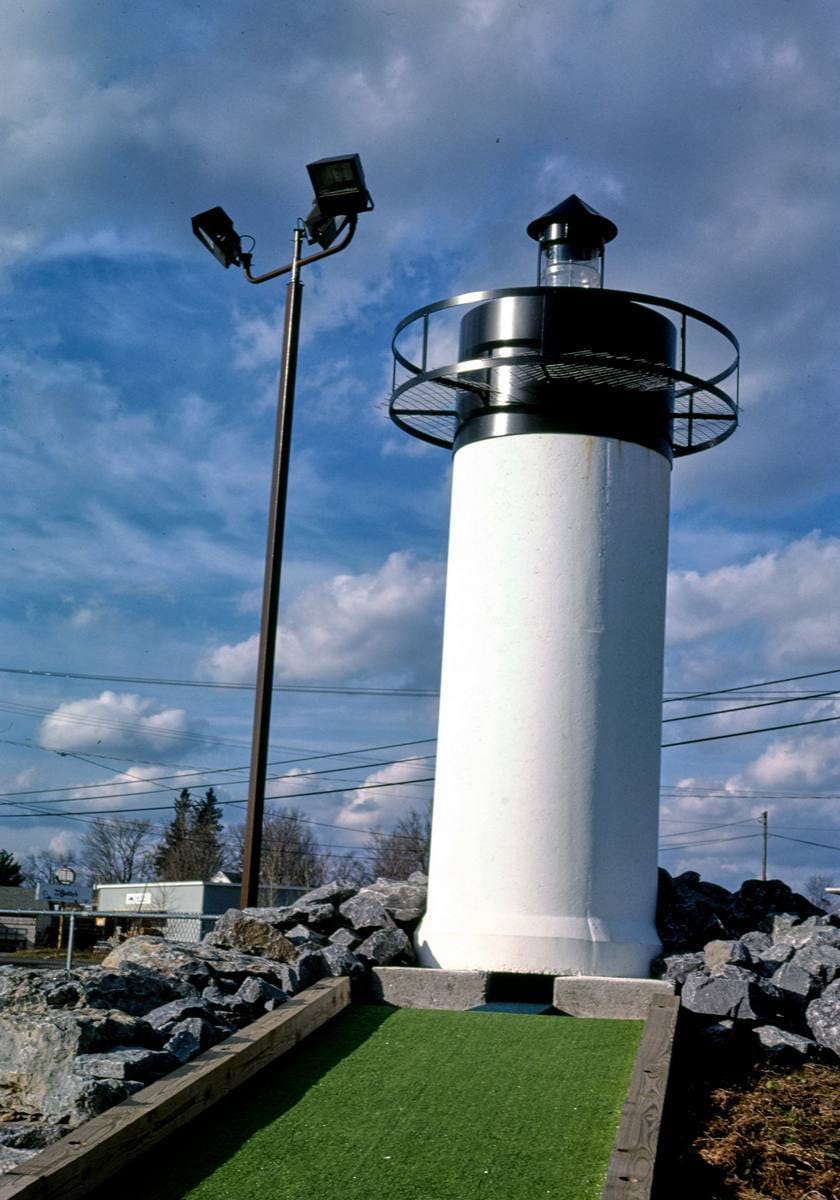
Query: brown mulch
734	1130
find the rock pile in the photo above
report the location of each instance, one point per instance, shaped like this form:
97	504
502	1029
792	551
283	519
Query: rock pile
761	963
76	1042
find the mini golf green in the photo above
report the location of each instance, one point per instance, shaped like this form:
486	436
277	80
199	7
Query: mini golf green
405	1104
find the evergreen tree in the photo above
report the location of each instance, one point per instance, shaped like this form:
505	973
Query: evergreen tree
206	835
172	855
192	842
11	874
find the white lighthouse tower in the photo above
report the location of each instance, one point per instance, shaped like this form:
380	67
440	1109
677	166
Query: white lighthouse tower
564	411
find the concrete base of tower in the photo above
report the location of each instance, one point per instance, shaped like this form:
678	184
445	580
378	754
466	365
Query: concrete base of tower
542	946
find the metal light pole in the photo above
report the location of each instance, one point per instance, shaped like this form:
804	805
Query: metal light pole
340	192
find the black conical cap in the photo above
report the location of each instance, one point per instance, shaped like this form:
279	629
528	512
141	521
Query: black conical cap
581	221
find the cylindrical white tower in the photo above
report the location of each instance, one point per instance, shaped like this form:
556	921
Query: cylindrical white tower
546	793
544	827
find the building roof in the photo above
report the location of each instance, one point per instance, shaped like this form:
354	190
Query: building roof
21	897
161	883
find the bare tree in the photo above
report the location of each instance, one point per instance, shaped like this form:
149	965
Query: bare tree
41	865
117	850
405	849
815	887
350	866
290	851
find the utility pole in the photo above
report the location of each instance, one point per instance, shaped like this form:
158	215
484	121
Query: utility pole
764	845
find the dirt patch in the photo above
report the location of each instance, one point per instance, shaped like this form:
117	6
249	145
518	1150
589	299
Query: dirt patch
735	1130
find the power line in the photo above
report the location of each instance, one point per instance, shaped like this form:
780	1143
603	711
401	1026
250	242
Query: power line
313	688
182	775
121	726
352	689
9	796
718	737
803	842
712	841
716	712
749	686
706	828
223	803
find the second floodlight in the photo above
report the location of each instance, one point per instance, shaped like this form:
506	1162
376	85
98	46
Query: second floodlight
214	229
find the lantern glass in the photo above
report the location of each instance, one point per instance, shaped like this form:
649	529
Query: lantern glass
564	265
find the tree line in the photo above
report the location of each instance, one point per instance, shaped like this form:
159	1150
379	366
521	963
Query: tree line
195	844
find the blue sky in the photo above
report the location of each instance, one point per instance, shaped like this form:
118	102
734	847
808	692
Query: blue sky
137	380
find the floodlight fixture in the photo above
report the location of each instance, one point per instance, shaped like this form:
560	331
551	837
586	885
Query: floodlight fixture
214	229
339	185
321	229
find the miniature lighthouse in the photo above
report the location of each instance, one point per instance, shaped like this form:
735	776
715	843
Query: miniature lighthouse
564	406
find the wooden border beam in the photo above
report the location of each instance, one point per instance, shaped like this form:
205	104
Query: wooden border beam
630	1173
90	1154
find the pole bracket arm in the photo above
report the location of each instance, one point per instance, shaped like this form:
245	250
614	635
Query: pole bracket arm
349	222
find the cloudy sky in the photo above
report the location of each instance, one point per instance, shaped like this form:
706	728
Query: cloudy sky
137	384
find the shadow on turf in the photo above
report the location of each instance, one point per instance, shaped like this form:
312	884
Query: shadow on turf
213	1137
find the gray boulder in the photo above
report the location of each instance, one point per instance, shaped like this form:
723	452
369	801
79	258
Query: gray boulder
716	954
689	913
731	992
775	956
299	934
11	1157
344	937
310	967
384	946
807	973
782	1047
233	1008
195	961
339	961
287	978
126	1063
756	942
188	1038
333	893
404	901
29	1135
823	1018
782	927
757	901
820	959
320	915
168	1015
366	913
677	967
252	935
256	993
279	916
137	991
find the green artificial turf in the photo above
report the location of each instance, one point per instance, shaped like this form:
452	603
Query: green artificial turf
411	1105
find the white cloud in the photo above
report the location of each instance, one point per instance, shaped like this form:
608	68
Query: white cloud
122	788
384	622
235	663
788	599
810	760
382	807
114	721
62	843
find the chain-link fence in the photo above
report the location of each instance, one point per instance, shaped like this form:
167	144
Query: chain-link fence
29	935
